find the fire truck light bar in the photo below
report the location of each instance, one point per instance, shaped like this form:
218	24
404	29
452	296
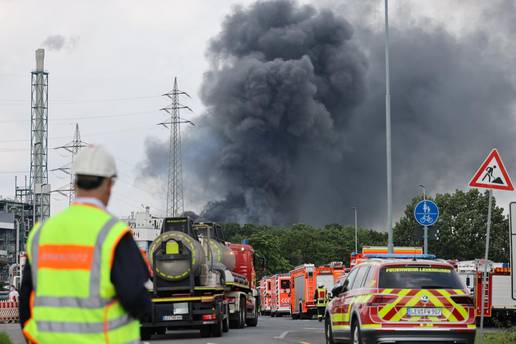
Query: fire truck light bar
401	256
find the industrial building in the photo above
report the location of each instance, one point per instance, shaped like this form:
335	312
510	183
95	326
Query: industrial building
16	220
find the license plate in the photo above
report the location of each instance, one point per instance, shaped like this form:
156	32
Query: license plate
181	308
172	317
424	312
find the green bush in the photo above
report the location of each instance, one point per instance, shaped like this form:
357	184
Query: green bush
4	338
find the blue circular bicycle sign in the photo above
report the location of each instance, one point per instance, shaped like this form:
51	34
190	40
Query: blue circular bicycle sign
426	213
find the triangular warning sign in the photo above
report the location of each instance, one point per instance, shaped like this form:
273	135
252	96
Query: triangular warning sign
492	174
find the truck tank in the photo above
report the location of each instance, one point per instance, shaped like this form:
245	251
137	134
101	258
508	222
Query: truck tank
222	254
211	234
176	243
176	253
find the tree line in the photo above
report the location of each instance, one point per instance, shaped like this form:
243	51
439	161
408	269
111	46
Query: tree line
458	234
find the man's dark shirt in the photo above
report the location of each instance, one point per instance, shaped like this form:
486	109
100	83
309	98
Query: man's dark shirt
128	275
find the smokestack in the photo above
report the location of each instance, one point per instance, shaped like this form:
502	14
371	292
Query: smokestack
40	60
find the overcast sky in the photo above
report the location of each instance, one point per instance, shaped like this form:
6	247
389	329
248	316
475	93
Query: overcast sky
109	61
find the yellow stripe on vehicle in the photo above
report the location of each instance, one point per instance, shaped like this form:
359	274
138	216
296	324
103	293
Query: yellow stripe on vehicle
383	312
458	307
446	312
413	301
192	298
369	326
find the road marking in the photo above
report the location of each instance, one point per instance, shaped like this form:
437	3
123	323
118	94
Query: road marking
312	328
282	336
302	342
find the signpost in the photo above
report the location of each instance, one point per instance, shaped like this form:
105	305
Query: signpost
512	241
492	174
426	214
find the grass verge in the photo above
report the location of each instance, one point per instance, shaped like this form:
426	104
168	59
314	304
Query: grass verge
502	337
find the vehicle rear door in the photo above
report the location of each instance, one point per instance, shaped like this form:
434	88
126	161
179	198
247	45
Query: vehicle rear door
424	295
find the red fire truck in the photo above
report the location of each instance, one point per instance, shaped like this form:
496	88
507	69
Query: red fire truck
375	250
498	304
302	290
280	295
265	295
329	274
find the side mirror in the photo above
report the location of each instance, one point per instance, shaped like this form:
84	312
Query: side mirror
337	290
468	281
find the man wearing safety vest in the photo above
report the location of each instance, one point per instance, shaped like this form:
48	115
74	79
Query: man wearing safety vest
321	299
84	277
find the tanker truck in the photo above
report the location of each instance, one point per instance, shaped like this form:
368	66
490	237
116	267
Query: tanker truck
200	281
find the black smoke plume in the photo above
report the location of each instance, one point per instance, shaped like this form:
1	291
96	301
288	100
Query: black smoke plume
295	124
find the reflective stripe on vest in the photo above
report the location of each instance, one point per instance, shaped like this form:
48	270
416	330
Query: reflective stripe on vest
95	300
321	297
75	327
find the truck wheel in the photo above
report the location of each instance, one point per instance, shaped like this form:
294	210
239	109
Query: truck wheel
301	315
205	331
355	332
253	321
241	314
146	333
217	329
327	332
293	315
225	322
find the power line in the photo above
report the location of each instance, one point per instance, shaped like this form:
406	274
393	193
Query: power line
94	134
83	117
82	101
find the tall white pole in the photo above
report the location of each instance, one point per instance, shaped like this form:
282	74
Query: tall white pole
356	229
17	242
388	131
425	228
486	264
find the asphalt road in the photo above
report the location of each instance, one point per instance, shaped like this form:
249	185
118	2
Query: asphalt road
269	330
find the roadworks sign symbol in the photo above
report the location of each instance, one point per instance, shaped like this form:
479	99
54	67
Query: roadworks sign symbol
492	174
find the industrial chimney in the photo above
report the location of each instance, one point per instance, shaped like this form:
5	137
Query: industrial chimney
39	139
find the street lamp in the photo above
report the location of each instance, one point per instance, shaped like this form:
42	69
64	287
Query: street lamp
388	131
356	229
425	228
424	191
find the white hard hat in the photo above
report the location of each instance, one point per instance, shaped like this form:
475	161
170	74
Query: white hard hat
94	161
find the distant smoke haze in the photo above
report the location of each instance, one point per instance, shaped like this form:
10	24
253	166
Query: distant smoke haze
295	124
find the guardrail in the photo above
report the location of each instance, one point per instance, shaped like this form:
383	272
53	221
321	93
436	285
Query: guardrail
9	312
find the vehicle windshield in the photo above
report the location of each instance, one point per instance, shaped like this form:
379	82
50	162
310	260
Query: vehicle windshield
419	277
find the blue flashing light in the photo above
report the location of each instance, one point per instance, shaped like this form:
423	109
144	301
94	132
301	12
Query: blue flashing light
401	256
245	242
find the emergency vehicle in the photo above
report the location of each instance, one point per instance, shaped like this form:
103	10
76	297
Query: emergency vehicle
265	295
304	281
356	257
499	305
392	300
302	290
280	295
328	275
